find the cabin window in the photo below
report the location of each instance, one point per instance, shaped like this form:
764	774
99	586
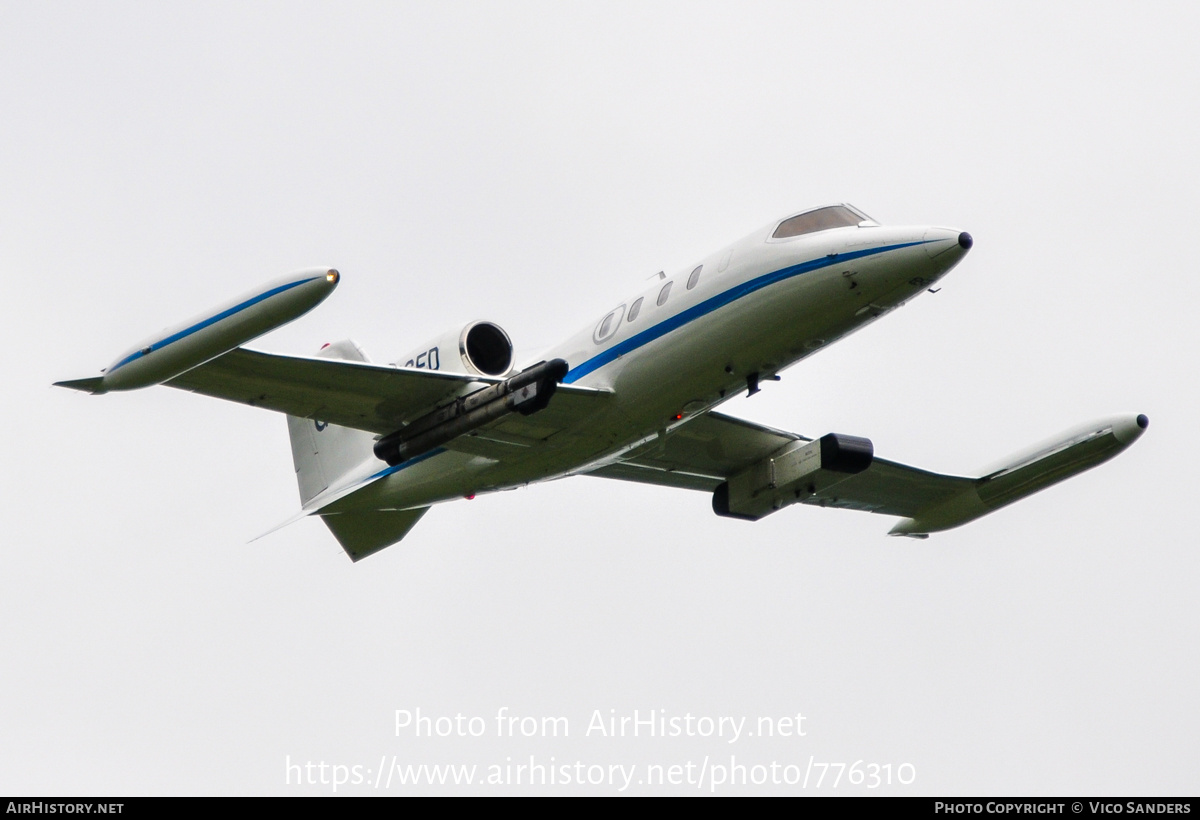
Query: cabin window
822	219
634	308
608	325
695	277
664	293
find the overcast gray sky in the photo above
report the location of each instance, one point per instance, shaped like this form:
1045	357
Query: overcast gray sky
532	163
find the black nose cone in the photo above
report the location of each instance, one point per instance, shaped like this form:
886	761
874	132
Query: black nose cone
965	241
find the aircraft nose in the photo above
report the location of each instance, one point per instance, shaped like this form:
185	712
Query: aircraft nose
1129	429
938	241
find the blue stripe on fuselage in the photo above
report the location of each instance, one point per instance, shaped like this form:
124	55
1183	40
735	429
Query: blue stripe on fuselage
344	491
403	465
716	302
225	314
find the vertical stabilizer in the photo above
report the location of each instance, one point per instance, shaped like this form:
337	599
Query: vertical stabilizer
323	453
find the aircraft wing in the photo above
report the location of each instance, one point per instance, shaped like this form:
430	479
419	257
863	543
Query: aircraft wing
364	396
708	450
372	397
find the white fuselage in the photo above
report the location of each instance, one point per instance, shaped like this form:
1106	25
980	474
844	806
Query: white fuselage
755	307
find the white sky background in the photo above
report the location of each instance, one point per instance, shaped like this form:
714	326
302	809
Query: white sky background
532	164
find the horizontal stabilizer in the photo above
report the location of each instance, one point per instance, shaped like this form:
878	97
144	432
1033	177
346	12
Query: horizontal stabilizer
365	533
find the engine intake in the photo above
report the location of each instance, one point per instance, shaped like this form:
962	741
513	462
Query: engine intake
482	348
487	348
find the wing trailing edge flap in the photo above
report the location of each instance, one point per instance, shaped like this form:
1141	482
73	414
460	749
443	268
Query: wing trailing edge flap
700	454
712	448
569	412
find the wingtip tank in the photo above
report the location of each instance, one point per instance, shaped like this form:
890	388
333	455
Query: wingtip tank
203	338
1030	470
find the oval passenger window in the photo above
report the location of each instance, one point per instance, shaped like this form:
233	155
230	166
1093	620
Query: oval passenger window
695	277
664	293
634	308
608	325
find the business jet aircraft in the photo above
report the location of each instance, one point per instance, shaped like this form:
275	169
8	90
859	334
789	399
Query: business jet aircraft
630	397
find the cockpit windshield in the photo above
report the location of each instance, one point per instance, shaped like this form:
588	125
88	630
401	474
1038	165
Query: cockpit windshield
822	219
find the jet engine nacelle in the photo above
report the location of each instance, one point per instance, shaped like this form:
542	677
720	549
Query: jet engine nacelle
480	348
